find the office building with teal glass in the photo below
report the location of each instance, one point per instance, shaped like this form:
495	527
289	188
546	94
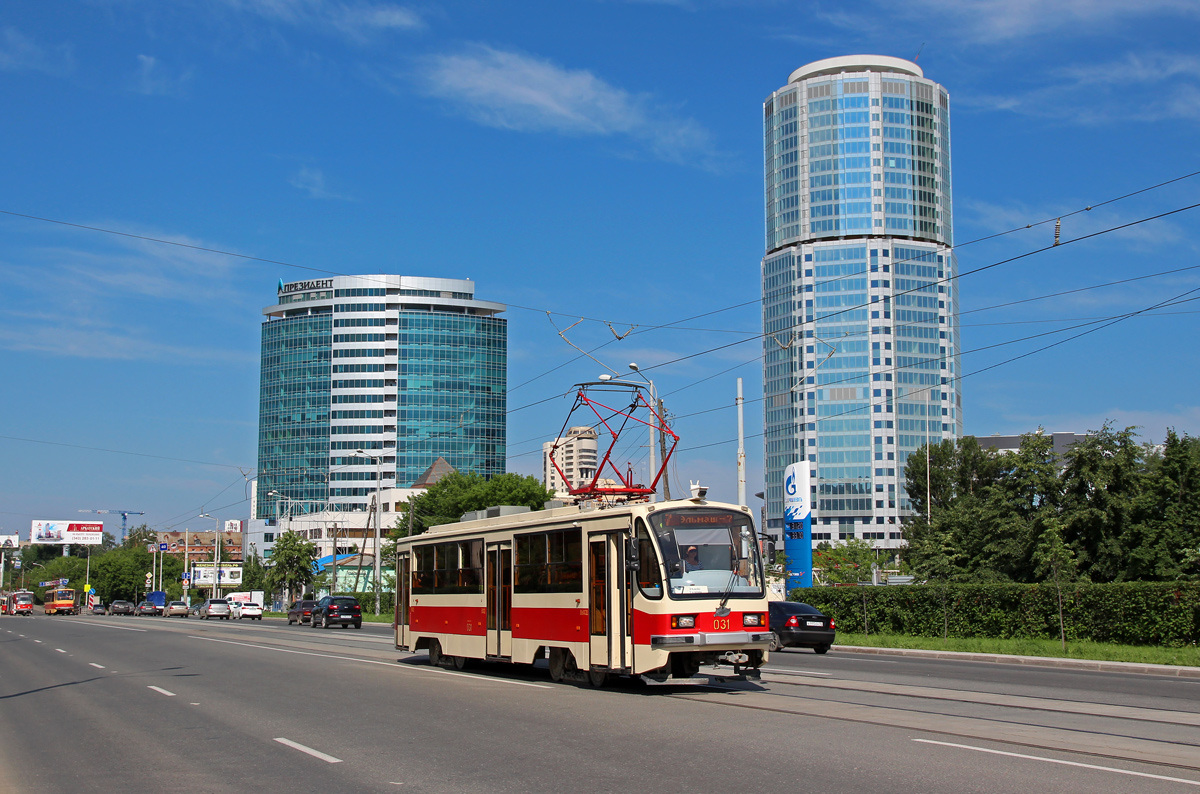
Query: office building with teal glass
368	380
860	297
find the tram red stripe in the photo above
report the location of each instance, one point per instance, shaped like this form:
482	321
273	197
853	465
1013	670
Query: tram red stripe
560	625
448	620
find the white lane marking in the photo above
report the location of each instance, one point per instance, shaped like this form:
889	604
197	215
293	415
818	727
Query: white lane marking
373	661
38	641
314	753
60	650
790	672
1060	761
195	704
100	625
162	691
97	666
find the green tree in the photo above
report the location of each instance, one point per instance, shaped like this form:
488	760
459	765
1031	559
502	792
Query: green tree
1163	544
1101	483
847	562
292	561
139	537
254	573
445	501
121	573
1054	560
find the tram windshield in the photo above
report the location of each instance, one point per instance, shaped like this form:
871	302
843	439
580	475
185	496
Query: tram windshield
708	552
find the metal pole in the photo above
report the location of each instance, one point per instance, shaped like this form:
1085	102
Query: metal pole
653	401
741	452
662	448
378	550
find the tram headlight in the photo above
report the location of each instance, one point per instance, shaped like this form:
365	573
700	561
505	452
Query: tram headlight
754	619
683	621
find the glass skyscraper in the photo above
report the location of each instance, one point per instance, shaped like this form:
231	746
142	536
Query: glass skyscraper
860	300
405	369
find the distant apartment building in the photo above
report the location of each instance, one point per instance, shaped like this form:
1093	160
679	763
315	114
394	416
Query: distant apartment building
1061	441
860	297
576	456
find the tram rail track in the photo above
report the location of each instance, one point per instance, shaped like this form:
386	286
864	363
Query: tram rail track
1099	742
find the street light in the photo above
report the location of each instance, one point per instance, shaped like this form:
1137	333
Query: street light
656	408
378	486
216	554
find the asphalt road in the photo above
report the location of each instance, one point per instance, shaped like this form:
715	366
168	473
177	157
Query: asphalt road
117	704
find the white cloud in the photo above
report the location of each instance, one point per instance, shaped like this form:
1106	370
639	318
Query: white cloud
18	53
358	21
153	79
1006	20
520	92
67	336
312	181
1146	87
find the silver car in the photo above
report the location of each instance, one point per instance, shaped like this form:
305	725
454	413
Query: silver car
175	609
215	608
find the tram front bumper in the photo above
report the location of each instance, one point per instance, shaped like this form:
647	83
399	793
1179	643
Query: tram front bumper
710	639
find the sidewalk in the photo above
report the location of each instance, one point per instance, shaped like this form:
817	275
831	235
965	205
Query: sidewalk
1174	671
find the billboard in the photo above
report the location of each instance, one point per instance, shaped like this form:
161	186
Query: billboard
202	574
89	533
10	541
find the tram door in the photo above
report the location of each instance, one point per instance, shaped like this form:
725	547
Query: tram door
605	608
403	586
499	599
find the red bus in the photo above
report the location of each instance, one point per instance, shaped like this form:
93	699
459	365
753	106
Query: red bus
658	590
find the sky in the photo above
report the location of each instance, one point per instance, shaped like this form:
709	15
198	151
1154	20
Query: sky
594	160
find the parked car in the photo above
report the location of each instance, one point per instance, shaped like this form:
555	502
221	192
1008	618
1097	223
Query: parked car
214	608
246	609
119	607
147	608
194	609
796	625
99	609
301	611
176	609
334	610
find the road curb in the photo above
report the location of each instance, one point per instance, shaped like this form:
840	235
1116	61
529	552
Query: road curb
1175	671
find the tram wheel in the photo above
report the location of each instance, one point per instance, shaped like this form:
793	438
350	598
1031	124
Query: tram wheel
460	662
558	664
597	678
435	653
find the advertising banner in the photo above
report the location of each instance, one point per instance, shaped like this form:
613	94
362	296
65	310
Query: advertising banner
9	541
202	575
797	525
88	533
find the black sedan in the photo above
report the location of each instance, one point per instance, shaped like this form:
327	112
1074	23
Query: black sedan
796	625
122	608
331	611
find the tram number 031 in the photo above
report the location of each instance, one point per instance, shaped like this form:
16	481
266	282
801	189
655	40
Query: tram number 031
721	624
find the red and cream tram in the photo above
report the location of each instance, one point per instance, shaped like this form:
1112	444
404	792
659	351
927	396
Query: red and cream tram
639	589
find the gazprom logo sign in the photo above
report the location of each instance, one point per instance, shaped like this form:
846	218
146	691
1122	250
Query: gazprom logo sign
795	493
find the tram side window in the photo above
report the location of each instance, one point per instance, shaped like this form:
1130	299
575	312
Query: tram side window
550	562
422	574
649	576
448	568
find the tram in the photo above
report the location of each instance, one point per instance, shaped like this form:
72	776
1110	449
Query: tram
658	590
19	603
59	601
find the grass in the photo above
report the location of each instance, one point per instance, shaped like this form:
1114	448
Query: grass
1096	651
367	617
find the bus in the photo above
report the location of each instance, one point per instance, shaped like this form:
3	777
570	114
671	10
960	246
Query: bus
660	590
59	601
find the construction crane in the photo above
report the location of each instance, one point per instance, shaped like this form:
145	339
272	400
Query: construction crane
125	514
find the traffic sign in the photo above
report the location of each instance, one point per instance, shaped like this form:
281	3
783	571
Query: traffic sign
185	576
45	584
64	582
162	547
16	565
150	547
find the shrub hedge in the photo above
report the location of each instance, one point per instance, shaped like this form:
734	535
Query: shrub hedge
367	601
1128	613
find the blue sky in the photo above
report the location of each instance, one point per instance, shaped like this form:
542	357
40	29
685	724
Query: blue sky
596	159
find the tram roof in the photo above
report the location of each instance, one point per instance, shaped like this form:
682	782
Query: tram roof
577	512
